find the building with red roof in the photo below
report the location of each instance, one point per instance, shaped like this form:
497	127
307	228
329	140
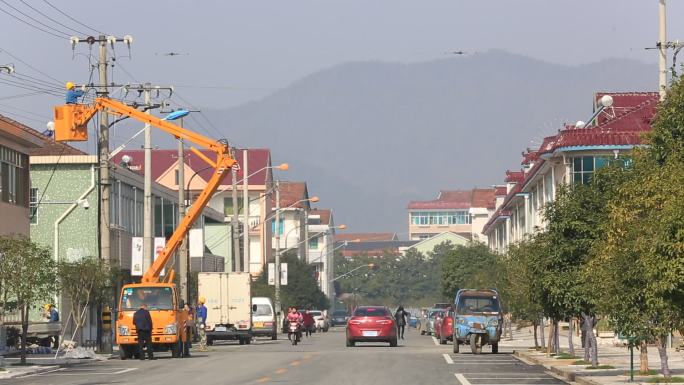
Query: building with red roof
572	155
165	166
463	212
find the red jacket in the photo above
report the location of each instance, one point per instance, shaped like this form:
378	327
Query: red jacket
308	320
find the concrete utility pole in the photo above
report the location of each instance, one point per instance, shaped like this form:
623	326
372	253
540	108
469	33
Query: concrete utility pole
148	235
183	250
245	205
277	249
662	50
103	155
235	222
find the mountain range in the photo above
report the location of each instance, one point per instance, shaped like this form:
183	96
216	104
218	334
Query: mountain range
368	137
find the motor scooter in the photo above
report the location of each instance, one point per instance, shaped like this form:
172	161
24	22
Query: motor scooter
294	332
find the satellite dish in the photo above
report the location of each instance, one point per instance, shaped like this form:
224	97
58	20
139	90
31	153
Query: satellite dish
126	159
606	101
580	124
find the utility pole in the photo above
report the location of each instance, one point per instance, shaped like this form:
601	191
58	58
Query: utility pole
235	222
277	249
183	250
103	155
245	204
662	50
148	236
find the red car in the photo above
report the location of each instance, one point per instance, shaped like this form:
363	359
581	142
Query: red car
371	324
444	326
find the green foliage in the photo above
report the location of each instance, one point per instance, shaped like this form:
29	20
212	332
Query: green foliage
473	266
301	289
517	281
86	282
409	280
27	277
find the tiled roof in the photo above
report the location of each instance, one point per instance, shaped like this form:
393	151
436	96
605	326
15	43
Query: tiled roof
324	214
50	147
291	193
514	176
365	237
162	160
501	190
458	200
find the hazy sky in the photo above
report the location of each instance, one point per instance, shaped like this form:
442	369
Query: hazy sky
250	48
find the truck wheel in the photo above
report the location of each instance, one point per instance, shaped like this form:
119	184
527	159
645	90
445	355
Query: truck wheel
495	348
457	346
124	352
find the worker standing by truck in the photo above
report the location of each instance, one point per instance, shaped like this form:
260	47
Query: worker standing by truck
201	315
143	326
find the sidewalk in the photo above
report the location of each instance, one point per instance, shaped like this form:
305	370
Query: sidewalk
40	363
616	356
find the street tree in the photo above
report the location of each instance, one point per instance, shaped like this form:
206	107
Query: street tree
85	283
470	266
28	278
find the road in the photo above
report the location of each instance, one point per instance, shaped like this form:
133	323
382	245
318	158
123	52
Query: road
320	359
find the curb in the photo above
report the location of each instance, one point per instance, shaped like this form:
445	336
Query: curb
38	369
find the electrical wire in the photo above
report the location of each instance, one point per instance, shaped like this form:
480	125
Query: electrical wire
51	19
34	19
10	114
72	19
31	25
17	96
25	111
29	65
48	182
29	88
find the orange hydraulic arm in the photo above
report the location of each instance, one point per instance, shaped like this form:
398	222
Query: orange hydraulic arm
71	124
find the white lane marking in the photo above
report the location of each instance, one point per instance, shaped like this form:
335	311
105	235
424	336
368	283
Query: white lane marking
461	378
125	370
485	363
554	383
435	340
509	378
448	359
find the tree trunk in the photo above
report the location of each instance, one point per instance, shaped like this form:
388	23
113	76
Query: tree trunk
594	343
549	345
542	330
643	357
571	344
556	337
24	332
662	352
536	341
585	329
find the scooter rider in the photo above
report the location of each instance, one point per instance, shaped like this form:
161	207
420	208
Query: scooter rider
294	316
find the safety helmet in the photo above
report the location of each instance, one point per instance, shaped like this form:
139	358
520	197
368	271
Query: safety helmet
46	306
69	85
202	300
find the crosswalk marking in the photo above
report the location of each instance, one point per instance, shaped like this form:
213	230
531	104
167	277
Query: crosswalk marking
461	378
448	359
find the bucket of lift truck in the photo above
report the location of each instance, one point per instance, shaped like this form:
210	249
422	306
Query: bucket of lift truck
69	123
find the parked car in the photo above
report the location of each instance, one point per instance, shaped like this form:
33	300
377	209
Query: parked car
339	317
321	321
445	330
428	323
423	321
478	320
371	324
437	322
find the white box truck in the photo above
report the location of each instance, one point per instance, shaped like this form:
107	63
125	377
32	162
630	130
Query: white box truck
229	306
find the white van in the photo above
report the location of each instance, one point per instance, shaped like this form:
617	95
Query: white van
263	318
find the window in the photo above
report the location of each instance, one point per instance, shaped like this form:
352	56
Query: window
548	187
280	228
313	243
228	206
33	205
425	218
13	177
583	167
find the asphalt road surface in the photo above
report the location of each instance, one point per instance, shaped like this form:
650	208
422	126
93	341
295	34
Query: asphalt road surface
319	359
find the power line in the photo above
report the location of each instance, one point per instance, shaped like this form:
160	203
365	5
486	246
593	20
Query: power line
10	114
17	96
31	25
26	111
72	19
49	18
28	65
28	87
34	19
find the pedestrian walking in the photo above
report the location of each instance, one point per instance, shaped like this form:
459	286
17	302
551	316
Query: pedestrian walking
401	317
143	326
201	315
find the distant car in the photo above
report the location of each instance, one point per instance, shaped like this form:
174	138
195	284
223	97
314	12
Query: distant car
429	326
371	324
321	321
414	322
339	317
444	327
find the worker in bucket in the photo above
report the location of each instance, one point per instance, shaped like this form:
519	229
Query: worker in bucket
201	317
73	94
